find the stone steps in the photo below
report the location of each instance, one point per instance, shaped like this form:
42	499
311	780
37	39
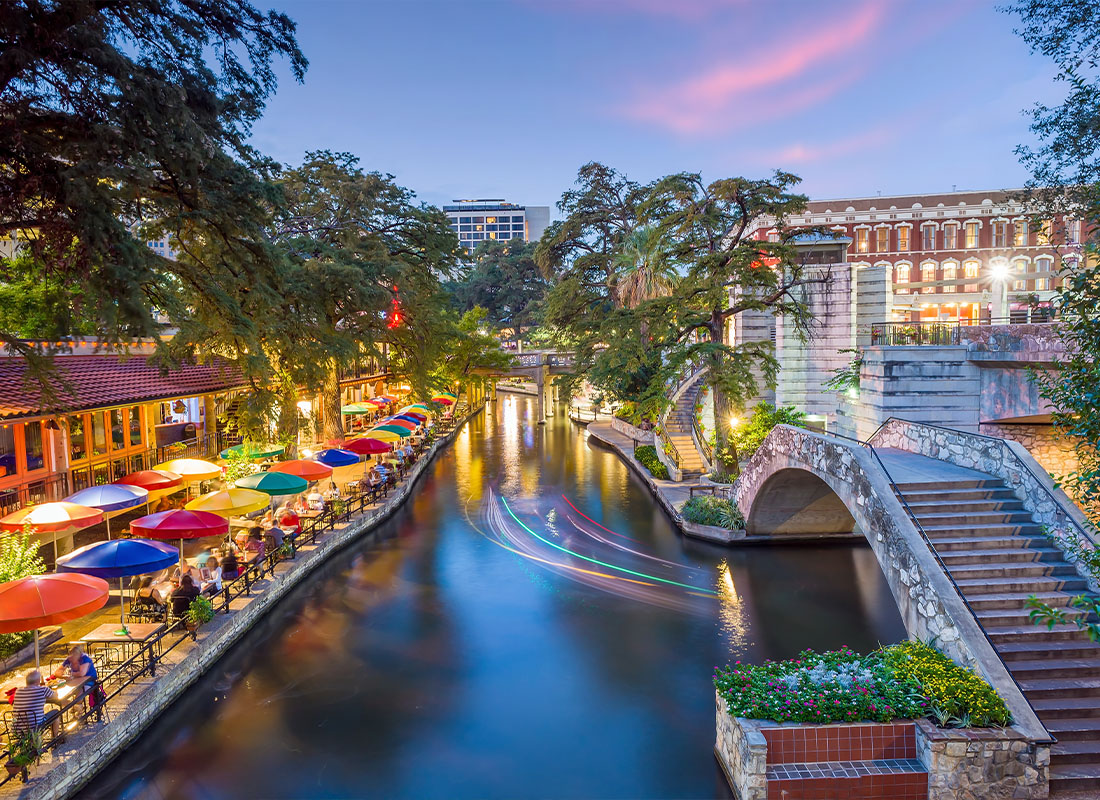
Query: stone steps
1072	729
1055	668
956	495
1013	570
1012	617
1040	688
1033	633
979	586
1007	600
950	505
1078	781
960	542
1018	555
974	519
1028	529
1014	652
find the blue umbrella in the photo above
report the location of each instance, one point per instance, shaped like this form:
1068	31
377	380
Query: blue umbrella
110	497
335	457
119	558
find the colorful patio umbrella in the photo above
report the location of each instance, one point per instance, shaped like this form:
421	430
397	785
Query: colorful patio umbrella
191	469
253	450
119	559
273	483
33	602
180	523
383	435
410	425
152	480
411	419
367	446
443	399
378	401
358	408
424	407
229	502
398	429
52	518
110	497
419	416
303	468
335	457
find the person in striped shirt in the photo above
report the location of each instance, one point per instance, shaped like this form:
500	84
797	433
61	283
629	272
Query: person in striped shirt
29	704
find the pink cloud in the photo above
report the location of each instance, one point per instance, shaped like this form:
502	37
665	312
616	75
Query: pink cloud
708	102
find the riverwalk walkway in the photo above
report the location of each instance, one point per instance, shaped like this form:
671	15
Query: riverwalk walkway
65	768
670	494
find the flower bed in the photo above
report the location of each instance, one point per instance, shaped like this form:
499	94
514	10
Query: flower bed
903	681
647	456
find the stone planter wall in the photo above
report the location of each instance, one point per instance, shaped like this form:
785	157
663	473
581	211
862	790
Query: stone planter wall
634	432
982	763
742	752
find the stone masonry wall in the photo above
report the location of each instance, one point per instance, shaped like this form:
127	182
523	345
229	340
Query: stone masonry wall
635	433
982	763
1054	452
742	752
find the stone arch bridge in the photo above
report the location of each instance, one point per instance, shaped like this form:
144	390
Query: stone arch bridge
538	366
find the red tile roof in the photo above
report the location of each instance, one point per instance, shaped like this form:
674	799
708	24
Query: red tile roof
98	381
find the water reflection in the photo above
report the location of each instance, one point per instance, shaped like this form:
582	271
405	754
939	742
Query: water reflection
529	625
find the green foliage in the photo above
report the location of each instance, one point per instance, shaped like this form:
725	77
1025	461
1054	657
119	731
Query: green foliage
846	378
506	282
238	465
903	681
201	611
20	557
27	747
749	435
635	414
716	511
1078	551
647	457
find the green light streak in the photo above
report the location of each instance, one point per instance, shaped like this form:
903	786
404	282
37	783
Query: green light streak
602	563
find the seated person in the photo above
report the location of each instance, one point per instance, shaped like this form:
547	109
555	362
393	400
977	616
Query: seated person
185	568
211	577
408	451
275	535
29	705
230	567
332	493
267	520
183	595
288	521
254	550
78	667
316	502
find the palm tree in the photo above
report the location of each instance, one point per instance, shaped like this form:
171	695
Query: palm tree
643	269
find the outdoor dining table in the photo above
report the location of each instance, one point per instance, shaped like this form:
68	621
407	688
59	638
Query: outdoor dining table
132	642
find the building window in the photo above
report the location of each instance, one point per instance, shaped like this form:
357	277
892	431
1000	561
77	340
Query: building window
1019	238
1073	231
971	235
99	434
773	236
902	278
32	445
1019	268
882	240
950	236
903	239
971	270
1000	234
950	274
117	430
77	446
7	450
928	237
135	426
1043	236
862	237
928	273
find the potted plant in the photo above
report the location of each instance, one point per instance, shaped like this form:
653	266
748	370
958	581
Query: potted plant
286	551
26	749
199	613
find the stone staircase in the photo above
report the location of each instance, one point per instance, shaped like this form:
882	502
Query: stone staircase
678	429
999	557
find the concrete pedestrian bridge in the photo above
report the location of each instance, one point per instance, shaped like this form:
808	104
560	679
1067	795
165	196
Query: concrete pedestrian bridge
538	366
956	521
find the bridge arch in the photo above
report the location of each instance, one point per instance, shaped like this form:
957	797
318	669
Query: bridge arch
796	502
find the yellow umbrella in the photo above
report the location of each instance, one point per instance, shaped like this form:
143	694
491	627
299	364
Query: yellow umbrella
192	469
382	436
230	502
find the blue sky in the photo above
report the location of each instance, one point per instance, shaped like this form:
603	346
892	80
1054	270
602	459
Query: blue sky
507	98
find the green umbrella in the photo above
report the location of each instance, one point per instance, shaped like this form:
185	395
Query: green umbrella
359	408
393	429
252	450
273	483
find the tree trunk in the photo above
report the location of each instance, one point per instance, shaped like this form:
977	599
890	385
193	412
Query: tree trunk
330	400
287	430
725	451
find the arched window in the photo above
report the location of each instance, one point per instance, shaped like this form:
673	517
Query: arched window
901	278
950	274
928	273
1019	268
971	270
1045	266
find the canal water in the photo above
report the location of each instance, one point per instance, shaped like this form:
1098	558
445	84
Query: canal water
530	624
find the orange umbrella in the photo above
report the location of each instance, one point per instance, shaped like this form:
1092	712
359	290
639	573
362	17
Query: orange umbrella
30	603
52	517
303	468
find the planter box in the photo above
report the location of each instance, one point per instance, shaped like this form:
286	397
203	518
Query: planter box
635	433
901	760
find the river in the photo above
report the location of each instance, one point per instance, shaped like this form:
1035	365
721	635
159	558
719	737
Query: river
529	624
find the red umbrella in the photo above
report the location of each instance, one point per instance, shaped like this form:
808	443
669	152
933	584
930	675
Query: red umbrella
401	423
367	446
180	523
303	468
152	480
379	401
30	603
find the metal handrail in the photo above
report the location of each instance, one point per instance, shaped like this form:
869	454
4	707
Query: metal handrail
947	572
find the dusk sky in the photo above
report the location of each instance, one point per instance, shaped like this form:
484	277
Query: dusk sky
507	98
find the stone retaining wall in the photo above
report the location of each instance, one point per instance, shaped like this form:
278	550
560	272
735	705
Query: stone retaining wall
982	763
67	777
742	752
634	432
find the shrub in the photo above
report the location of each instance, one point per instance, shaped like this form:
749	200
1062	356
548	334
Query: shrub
647	457
716	511
902	681
956	696
201	611
749	436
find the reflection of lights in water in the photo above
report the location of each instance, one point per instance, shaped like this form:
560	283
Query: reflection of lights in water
731	612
